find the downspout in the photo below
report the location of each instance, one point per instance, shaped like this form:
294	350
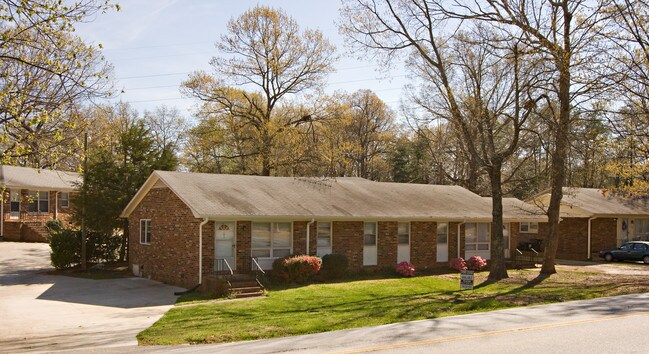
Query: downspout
589	237
308	235
56	205
200	251
458	237
2	212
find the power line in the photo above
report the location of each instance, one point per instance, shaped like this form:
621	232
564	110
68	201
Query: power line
189	72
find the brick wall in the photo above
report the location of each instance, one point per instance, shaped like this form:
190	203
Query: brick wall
452	240
348	240
172	256
423	238
603	234
387	244
29	227
208	248
573	236
514	231
299	238
244	239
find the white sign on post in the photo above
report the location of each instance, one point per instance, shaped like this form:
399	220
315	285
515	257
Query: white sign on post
466	280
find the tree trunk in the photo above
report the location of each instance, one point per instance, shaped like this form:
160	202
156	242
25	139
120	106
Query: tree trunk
123	254
558	169
498	269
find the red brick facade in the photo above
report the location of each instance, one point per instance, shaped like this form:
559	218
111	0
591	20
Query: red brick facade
423	244
348	240
387	244
30	226
172	255
573	237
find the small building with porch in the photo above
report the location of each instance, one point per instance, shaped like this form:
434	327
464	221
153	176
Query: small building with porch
30	198
595	219
184	226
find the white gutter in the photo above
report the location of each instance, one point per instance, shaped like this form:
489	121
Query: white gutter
458	238
588	256
2	211
308	234
200	251
56	205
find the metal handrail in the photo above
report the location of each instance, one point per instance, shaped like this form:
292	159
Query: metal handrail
220	261
256	265
257	270
228	265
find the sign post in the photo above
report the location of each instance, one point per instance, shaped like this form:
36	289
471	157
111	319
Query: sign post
466	280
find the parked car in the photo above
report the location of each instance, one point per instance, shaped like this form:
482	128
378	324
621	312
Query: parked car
630	251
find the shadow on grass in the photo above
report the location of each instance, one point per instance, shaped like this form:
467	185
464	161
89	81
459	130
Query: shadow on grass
530	284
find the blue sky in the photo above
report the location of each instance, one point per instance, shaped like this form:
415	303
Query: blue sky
154	45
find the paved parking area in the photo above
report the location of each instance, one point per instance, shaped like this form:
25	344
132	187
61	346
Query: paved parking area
41	312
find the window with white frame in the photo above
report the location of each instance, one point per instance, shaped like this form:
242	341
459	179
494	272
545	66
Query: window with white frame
65	200
14	204
39	201
477	237
529	227
442	233
271	239
403	233
369	243
641	229
145	231
324	238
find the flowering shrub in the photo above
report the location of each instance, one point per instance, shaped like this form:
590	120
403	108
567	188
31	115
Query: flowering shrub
476	263
297	269
405	269
458	264
334	266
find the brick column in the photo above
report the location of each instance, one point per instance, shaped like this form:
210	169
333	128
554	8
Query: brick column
423	238
244	234
387	244
348	240
452	240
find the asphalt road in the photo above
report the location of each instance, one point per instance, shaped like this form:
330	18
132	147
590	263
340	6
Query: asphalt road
605	325
40	312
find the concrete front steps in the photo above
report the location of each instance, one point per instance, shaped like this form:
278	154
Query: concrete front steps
245	286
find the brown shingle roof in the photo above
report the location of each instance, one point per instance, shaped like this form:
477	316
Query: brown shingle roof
590	202
31	178
223	196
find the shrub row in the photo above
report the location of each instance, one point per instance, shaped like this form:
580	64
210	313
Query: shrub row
301	269
65	246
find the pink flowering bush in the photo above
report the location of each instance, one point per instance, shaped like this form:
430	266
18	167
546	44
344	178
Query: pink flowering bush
476	263
405	269
458	264
296	268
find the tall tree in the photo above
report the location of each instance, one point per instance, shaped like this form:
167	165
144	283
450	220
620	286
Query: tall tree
475	87
269	58
628	78
119	161
566	34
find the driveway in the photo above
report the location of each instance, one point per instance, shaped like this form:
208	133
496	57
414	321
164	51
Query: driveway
42	312
619	268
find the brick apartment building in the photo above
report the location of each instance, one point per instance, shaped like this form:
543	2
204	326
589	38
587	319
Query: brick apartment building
183	226
593	220
31	197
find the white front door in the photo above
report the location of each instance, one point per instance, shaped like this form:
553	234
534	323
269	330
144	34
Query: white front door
624	232
224	246
403	242
442	242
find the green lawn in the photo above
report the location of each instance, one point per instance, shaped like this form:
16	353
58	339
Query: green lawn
326	307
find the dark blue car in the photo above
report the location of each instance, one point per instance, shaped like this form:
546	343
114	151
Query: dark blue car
630	251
